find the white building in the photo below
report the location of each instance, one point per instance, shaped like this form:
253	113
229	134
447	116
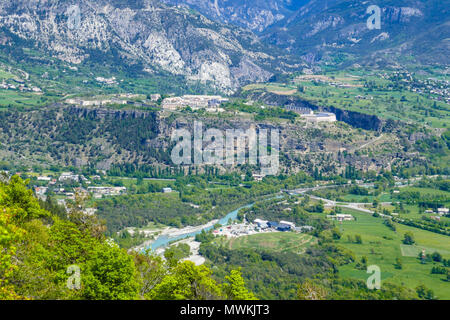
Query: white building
443	211
106	80
107	191
341	217
258	177
193	101
263	224
167	190
69	176
292	225
320	117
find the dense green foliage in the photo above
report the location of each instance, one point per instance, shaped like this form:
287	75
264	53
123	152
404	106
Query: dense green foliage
139	210
44	256
276	275
262	113
198	200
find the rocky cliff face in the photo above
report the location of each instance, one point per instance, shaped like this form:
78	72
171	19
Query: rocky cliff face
326	27
70	135
353	118
256	15
139	32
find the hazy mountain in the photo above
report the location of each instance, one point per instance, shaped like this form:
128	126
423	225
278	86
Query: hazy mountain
256	15
408	27
150	37
145	33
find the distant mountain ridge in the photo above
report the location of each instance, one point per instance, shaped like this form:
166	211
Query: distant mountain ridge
139	32
225	44
256	15
420	29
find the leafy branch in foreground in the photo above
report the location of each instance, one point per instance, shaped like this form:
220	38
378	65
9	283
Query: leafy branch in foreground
37	248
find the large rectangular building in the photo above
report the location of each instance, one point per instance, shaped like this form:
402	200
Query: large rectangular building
193	101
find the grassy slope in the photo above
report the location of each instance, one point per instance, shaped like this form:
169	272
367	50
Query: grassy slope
386	251
277	241
386	104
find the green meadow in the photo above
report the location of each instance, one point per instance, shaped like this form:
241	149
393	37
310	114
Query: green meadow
275	241
20	99
396	104
382	247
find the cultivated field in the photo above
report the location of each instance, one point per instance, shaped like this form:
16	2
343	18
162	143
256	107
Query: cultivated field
276	241
382	247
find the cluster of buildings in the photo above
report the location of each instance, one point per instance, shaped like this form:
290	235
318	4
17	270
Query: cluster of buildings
325	80
259	226
69	176
41	192
108	81
100	192
47	179
236	230
439	89
282	226
103	102
57	184
440	211
119	99
97	103
343	85
299	110
209	103
19	85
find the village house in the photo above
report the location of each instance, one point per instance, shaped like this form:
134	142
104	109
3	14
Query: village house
65	176
44	178
41	192
99	192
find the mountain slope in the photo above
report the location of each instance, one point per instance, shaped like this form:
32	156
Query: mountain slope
256	15
408	27
144	34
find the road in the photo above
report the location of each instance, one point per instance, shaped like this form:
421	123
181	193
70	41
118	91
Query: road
350	205
370	142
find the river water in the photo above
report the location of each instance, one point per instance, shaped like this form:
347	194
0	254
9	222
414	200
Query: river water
164	241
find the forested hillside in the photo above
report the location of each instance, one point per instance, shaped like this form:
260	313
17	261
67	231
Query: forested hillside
42	256
49	255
